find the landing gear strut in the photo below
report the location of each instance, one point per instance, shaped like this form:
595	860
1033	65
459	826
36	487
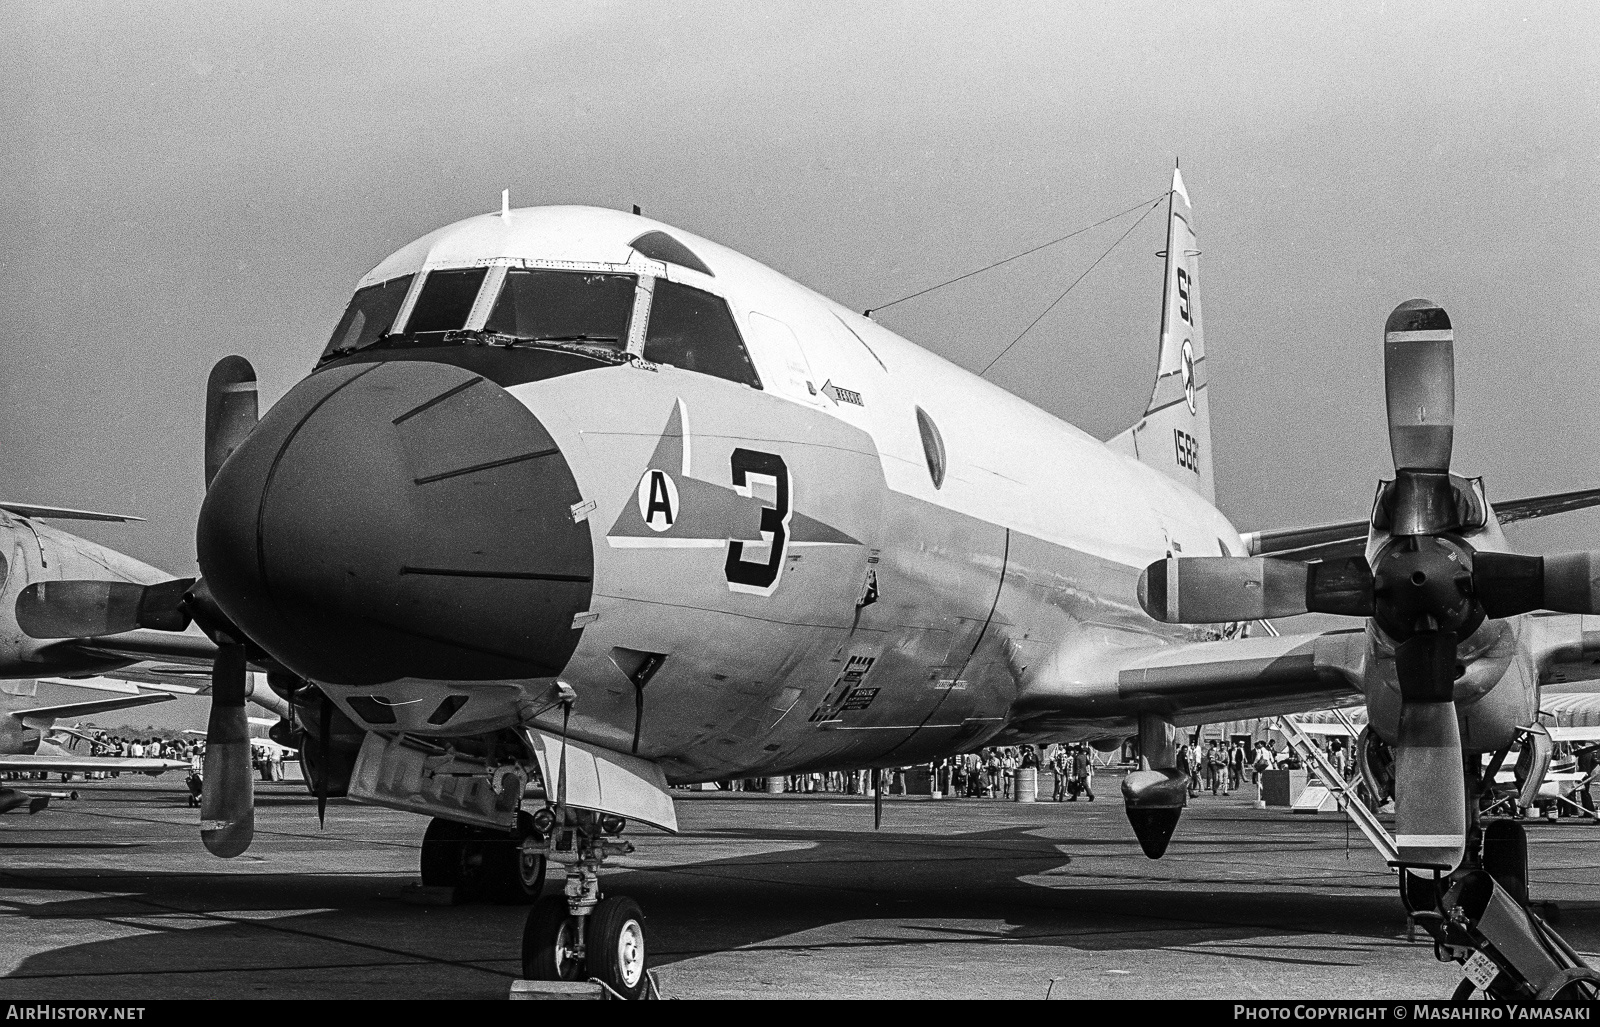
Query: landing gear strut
581	935
481	864
1479	917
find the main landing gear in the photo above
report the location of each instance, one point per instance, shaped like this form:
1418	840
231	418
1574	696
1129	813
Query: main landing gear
1478	916
581	935
483	865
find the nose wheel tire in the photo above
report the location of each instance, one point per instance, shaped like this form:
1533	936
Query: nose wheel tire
616	946
550	943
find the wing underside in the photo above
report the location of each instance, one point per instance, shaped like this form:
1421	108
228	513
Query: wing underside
1203	682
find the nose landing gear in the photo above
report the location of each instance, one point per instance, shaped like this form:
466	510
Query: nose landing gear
581	935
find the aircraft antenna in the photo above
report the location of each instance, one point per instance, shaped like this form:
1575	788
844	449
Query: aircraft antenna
505	204
1016	256
1106	253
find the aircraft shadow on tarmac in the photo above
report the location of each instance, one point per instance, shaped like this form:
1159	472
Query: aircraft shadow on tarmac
841	889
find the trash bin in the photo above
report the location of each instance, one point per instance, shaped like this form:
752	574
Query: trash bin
777	785
1025	784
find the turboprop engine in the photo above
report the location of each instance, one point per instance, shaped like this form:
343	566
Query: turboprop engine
1435	590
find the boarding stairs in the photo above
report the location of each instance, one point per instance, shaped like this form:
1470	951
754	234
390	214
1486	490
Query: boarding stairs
1344	791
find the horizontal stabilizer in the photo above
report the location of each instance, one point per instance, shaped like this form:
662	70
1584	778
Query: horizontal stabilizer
63	513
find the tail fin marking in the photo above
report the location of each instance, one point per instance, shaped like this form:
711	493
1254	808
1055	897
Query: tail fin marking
1174	435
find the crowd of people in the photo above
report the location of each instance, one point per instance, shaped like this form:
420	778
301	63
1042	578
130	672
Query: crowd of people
1219	766
986	774
102	743
1066	769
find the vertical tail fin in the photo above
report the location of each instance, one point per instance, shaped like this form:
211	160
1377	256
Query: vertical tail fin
1174	435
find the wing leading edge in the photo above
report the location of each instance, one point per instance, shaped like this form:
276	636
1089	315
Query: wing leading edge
44	716
1349	538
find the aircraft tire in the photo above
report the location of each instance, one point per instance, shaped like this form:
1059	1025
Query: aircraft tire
616	946
507	876
442	853
548	941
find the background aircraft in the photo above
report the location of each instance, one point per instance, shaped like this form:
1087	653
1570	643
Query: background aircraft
576	494
26	728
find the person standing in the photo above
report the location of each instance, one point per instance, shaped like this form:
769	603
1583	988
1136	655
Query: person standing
1262	764
1217	767
1083	771
1236	762
1060	766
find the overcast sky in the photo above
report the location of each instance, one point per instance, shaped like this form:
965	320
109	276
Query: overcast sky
184	182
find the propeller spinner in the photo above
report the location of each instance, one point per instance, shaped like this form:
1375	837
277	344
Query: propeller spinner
1425	587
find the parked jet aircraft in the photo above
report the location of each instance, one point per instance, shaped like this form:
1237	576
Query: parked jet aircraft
575	494
25	745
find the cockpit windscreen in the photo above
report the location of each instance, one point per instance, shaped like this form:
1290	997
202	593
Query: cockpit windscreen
580	307
695	330
445	300
369	316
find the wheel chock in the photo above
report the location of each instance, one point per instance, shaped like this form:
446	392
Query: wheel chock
533	991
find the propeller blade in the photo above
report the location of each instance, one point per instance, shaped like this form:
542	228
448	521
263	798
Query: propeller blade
231	410
1419	381
1430	790
87	609
1222	589
1508	584
227	799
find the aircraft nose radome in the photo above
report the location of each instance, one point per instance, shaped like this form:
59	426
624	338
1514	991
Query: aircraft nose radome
400	519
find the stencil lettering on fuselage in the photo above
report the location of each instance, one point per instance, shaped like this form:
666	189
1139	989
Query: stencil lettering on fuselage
845	693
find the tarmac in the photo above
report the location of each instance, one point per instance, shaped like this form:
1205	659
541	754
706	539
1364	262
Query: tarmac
790	896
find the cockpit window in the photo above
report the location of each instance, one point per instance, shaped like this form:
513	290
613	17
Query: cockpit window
695	330
369	316
663	247
446	300
577	307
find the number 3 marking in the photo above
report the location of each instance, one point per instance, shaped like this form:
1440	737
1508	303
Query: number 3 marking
761	577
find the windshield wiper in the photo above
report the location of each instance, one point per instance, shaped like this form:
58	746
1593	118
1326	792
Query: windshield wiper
345	351
572	338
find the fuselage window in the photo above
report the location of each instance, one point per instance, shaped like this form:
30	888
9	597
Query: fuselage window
564	307
446	300
369	316
932	447
695	330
